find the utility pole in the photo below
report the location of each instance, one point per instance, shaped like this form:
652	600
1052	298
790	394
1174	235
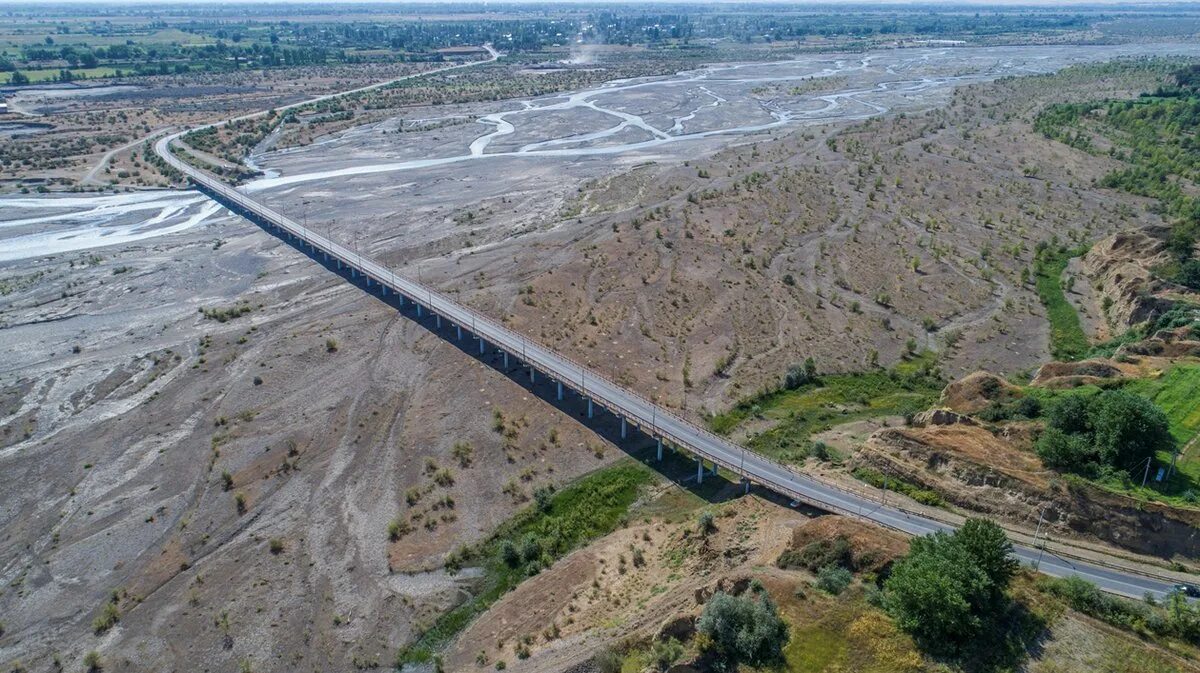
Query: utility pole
1146	474
1036	533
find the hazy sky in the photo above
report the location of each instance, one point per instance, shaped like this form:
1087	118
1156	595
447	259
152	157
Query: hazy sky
484	3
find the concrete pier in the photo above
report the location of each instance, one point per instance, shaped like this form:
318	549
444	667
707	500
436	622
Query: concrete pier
660	449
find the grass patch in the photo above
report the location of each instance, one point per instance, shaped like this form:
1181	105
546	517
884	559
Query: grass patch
833	399
878	480
1067	340
583	511
1176	392
816	648
845	634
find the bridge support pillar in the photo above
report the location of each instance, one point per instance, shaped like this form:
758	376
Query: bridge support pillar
437	318
401	298
505	360
699	471
659	449
560	391
384	287
353	272
481	346
590	411
368	279
418	310
714	469
339	265
459	328
532	371
746	483
623	427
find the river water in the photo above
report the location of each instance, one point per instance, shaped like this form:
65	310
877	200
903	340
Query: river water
667	115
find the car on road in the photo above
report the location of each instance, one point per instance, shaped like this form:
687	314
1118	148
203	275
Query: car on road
1189	590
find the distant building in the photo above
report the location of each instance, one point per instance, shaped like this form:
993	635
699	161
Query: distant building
3	108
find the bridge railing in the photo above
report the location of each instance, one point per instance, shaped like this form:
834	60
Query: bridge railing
550	361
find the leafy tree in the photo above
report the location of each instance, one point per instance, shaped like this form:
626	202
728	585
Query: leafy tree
1189	274
936	592
951	585
744	629
1114	428
1064	452
991	549
1070	415
1128	428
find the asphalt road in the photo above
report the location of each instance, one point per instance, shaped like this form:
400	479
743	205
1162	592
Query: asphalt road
636	409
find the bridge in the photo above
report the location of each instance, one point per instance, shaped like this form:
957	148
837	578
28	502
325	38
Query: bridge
711	452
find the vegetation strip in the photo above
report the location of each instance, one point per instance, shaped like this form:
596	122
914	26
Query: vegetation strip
1067	339
534	538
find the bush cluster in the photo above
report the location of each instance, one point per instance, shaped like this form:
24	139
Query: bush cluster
1113	430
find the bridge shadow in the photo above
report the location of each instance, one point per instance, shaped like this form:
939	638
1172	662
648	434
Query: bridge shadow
676	466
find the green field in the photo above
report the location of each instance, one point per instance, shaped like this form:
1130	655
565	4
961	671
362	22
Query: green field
1067	340
834	399
1177	393
28	37
51	74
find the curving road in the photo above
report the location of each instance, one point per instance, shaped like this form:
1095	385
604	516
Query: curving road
633	408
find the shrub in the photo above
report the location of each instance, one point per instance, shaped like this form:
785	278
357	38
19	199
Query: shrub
109	615
92	661
665	653
463	452
276	546
331	345
510	554
531	548
398	528
608	661
817	555
744	629
705	523
833	579
800	374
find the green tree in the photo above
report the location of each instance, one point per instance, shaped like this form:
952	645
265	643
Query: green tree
1115	428
1064	452
1128	428
950	586
744	629
935	593
991	549
1070	415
